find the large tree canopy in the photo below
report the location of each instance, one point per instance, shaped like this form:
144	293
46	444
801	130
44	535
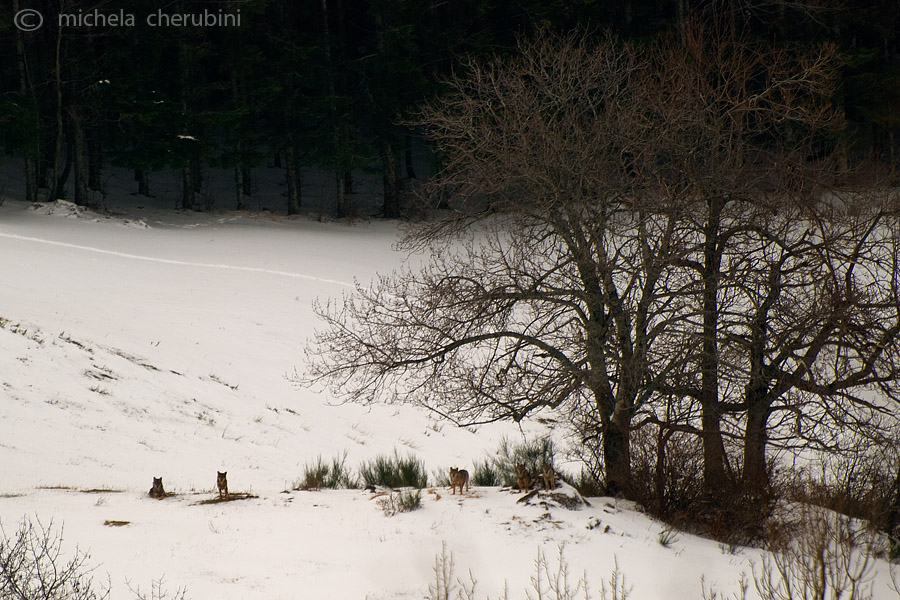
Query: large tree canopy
622	230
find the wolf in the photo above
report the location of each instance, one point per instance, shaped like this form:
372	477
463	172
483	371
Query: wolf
524	480
222	484
459	477
157	490
549	477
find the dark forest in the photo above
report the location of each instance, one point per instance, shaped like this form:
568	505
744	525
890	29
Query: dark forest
328	85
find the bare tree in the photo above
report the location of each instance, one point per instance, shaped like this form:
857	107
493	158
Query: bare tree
552	301
621	232
816	338
735	120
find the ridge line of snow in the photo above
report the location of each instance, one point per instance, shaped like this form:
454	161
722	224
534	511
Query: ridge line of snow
171	261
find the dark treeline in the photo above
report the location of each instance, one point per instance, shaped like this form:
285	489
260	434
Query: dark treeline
326	84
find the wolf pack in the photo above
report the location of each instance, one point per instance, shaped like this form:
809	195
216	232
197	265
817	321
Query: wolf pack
158	492
525	481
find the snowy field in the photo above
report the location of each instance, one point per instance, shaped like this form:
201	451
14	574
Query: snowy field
153	343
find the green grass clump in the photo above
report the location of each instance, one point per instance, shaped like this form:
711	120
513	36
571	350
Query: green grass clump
486	474
394	472
320	474
533	454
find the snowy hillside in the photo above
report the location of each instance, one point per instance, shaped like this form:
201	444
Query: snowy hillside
162	344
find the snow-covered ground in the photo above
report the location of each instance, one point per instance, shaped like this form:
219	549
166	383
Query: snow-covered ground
155	343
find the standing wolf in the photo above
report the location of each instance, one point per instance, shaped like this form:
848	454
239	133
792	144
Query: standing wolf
459	477
222	484
157	490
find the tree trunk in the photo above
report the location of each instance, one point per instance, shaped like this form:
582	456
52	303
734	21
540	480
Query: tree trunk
344	190
79	158
32	138
95	161
143	180
63	178
617	456
197	171
53	178
391	179
757	394
239	188
659	472
340	138
756	472
892	526
408	157
293	180
30	177
714	470
247	180
187	188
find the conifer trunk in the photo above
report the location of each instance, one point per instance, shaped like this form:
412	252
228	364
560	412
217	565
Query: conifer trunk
32	143
391	179
79	158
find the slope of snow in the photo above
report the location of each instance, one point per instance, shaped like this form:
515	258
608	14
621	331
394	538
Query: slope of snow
165	344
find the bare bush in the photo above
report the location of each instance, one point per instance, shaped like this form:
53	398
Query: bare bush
827	559
711	593
668	471
667	463
446	585
616	587
861	483
33	566
554	582
158	592
549	582
400	502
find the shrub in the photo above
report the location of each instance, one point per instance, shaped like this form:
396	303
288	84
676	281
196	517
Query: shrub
31	566
828	559
667	537
823	556
587	484
320	474
394	472
549	582
445	583
486	474
441	478
667	470
861	483
158	592
502	467
398	502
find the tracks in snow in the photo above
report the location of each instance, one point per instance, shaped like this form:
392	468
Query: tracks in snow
170	261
